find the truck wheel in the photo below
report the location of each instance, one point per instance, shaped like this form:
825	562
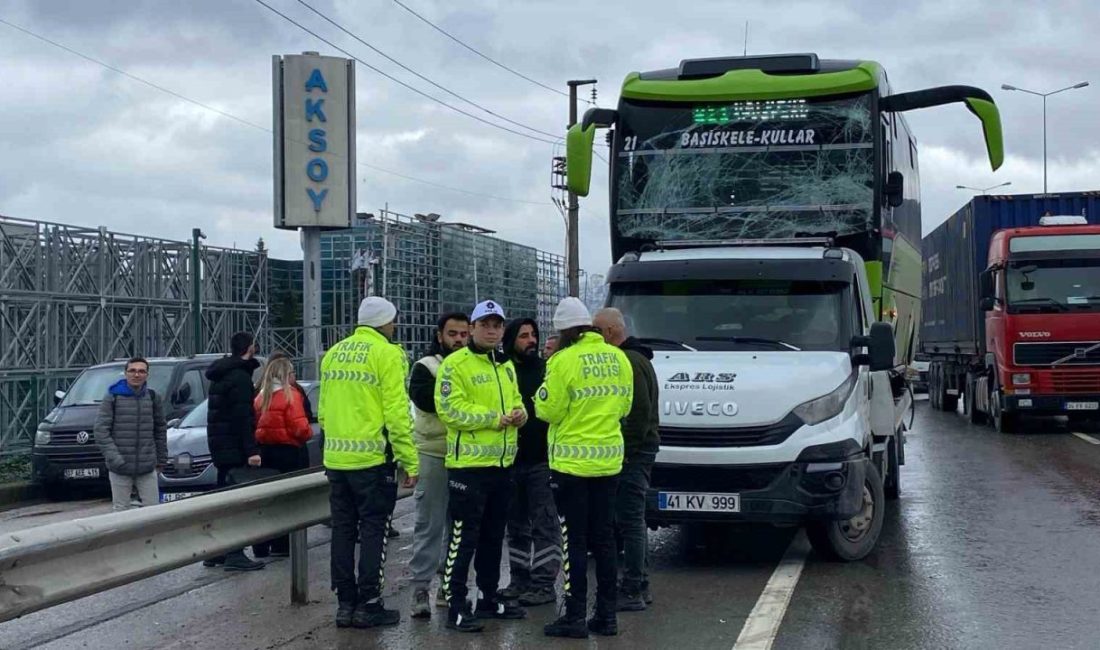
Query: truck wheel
1002	422
892	485
852	539
934	386
976	416
950	402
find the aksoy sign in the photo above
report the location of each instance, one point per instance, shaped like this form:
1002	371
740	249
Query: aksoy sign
314	109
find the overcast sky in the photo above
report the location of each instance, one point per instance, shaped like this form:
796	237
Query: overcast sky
84	145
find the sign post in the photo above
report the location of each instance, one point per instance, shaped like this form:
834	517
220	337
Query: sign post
314	151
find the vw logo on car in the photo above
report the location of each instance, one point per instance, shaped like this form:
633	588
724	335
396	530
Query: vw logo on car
83	437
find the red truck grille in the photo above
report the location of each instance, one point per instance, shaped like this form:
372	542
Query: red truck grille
1069	382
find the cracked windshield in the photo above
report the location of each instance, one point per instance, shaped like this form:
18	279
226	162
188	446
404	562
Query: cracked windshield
754	169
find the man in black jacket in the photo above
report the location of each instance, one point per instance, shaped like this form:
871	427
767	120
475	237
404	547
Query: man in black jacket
231	425
642	441
534	542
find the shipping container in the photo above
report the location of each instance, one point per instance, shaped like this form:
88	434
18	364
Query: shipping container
955	253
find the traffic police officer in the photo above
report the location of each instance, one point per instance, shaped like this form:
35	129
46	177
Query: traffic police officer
587	391
364	409
478	400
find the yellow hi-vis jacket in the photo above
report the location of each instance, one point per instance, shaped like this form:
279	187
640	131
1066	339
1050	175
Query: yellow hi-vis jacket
364	405
588	389
472	390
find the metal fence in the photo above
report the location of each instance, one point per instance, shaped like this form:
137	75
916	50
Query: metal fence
71	297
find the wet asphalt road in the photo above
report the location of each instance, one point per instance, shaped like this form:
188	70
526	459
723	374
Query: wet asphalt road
994	544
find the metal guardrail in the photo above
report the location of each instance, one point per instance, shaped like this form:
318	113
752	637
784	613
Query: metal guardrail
56	563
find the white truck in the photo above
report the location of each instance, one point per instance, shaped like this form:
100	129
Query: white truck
779	397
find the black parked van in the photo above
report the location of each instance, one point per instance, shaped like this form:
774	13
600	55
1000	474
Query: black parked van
65	454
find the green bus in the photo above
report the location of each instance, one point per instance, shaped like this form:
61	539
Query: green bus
774	147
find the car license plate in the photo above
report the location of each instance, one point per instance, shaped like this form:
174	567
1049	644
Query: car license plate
85	472
167	497
699	501
1082	406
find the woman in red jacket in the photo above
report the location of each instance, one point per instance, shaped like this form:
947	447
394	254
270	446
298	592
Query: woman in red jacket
282	430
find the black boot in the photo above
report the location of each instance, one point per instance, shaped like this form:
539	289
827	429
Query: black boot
604	624
238	561
571	624
373	615
499	608
463	620
345	609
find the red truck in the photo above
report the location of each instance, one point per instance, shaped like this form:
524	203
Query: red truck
1011	309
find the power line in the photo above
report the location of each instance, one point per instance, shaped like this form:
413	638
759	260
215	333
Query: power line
477	52
134	77
420	76
395	79
243	121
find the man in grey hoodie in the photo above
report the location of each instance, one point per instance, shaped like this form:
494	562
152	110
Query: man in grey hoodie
131	432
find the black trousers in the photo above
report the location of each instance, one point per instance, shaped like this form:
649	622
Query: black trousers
534	535
477	506
586	510
285	458
362	504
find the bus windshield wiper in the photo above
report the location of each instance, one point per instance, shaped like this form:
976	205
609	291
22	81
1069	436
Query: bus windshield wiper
660	341
750	339
1039	302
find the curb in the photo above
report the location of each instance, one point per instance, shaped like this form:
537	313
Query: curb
19	492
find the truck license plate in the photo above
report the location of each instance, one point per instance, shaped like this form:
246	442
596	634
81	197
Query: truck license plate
1082	406
699	501
86	472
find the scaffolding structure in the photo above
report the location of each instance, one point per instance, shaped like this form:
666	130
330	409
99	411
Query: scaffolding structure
71	297
427	268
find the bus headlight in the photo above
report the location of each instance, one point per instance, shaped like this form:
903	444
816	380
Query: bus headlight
1021	379
827	406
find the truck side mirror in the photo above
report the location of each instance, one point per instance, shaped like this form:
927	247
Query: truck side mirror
894	189
987	303
881	347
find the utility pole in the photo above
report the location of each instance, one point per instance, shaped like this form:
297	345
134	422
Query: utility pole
572	258
196	291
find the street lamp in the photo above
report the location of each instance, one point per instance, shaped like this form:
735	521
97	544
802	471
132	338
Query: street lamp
1044	96
983	190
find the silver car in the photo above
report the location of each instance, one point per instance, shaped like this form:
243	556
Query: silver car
190	471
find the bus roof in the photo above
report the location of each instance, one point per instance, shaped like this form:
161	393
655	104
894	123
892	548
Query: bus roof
778	76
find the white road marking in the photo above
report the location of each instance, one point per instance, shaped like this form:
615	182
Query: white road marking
762	625
1087	438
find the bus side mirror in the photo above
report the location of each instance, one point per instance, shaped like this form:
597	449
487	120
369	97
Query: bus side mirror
987	303
578	158
894	189
578	148
976	100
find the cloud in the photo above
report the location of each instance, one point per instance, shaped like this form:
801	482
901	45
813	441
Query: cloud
87	146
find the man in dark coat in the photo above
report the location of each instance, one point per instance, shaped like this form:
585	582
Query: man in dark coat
131	432
231	425
641	441
534	542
